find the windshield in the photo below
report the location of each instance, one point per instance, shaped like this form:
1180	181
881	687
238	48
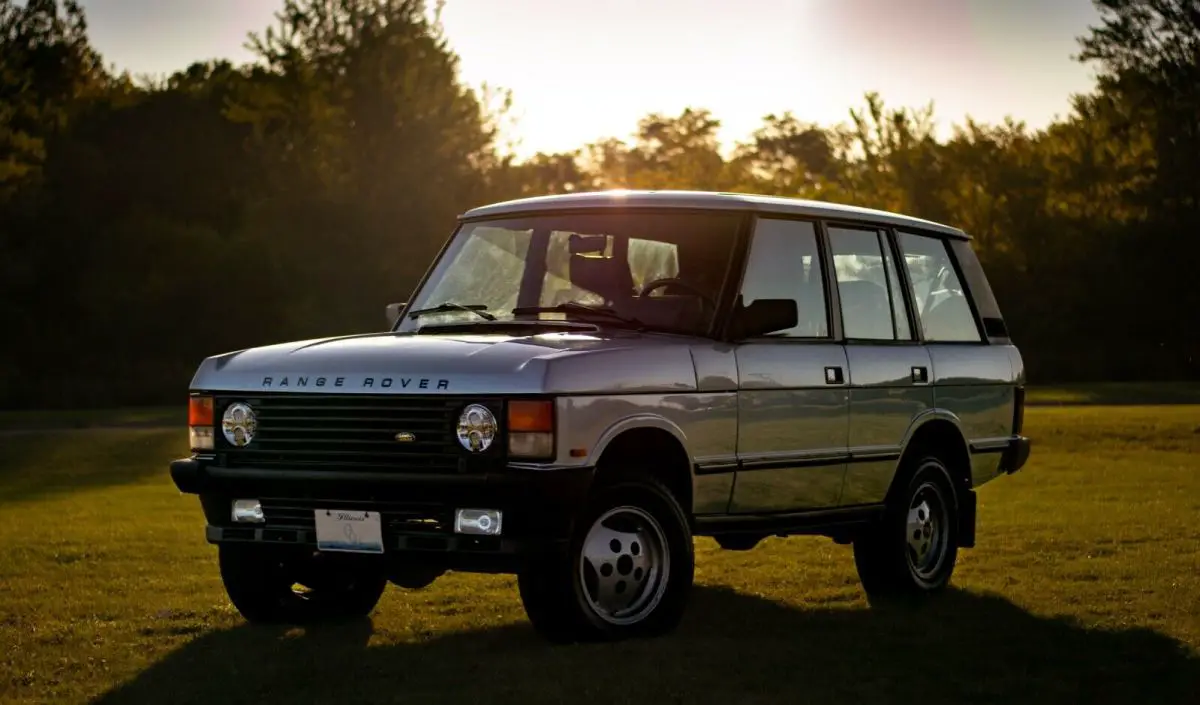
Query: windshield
515	269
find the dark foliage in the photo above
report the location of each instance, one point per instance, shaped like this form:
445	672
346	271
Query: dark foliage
144	226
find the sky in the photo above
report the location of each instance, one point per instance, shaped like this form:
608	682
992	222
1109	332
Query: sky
580	71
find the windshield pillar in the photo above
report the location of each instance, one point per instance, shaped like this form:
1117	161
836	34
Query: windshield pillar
535	269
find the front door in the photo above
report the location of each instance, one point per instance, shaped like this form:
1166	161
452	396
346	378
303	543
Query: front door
792	395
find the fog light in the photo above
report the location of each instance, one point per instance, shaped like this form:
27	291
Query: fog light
248	511
484	522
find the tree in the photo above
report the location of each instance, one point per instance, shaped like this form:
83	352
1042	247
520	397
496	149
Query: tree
789	158
47	67
1148	55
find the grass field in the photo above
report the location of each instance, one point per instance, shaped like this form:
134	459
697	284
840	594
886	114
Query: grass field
1085	588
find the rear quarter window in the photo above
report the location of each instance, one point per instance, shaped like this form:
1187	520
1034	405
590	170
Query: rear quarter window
939	297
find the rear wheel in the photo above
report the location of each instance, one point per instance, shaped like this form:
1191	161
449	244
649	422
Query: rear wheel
626	572
912	551
271	587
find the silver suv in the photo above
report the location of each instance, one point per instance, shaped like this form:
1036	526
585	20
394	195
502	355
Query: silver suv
581	384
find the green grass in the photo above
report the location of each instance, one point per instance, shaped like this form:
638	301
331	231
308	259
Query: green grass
1116	393
1085	588
41	419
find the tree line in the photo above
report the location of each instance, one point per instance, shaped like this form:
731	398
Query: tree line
145	224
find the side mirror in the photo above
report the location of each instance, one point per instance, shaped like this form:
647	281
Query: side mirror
764	316
393	313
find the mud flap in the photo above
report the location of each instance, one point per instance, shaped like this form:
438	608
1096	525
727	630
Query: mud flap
966	518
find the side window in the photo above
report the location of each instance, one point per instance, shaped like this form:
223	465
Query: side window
941	302
784	264
872	308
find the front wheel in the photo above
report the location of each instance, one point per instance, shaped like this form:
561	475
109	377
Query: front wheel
272	587
912	551
626	572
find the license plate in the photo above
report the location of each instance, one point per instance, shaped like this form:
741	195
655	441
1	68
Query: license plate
350	531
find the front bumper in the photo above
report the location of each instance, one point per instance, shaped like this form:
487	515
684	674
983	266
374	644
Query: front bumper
1016	455
417	509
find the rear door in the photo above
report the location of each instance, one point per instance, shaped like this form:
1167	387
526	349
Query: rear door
889	380
973	379
792	401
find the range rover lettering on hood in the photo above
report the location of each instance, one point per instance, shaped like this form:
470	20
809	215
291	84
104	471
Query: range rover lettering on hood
363	382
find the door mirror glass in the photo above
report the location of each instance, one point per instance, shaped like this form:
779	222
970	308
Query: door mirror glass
393	313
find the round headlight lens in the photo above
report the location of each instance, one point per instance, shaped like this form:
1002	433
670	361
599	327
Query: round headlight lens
238	423
476	428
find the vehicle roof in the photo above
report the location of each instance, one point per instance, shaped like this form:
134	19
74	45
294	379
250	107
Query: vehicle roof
595	200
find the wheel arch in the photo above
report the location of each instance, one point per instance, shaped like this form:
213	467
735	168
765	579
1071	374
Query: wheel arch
939	428
633	439
940	431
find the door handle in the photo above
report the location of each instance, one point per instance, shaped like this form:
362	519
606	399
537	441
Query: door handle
833	375
920	374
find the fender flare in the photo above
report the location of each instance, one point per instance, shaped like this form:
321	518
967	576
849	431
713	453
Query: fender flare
931	414
649	421
640	421
966	500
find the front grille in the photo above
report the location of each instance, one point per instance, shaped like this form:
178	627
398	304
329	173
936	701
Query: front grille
350	432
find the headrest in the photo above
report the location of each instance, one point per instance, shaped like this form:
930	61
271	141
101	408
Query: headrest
867	302
590	269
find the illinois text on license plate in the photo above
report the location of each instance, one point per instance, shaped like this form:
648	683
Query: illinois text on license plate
349	530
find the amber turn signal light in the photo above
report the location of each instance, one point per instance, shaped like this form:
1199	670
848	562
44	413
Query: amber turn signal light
531	416
200	411
531	429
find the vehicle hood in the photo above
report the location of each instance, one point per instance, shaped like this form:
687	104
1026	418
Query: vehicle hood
392	363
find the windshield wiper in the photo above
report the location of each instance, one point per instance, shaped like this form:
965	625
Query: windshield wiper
578	308
477	309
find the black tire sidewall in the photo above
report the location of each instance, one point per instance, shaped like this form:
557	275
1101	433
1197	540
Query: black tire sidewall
656	500
926	469
881	553
260	589
552	591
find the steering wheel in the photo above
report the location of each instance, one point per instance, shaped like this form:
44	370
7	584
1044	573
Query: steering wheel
672	281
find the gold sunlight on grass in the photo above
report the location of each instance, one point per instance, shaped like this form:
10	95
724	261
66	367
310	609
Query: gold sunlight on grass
1083	588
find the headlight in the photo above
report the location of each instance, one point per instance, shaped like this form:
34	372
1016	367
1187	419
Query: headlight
239	423
476	428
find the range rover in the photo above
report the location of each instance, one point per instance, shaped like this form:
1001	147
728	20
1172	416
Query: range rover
582	384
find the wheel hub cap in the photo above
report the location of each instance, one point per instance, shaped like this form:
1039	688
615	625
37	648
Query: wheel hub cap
926	531
624	565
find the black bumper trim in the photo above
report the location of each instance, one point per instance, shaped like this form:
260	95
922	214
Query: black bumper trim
1016	455
430	543
473	554
187	474
195	476
540	506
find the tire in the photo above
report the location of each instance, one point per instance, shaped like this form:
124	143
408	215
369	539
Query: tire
260	584
911	552
415	577
626	571
738	542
